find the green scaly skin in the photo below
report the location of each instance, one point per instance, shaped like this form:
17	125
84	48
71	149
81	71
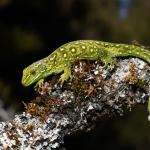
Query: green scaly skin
64	56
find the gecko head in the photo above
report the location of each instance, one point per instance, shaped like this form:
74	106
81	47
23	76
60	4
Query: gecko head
32	73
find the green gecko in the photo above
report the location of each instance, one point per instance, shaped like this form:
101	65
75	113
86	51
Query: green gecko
64	56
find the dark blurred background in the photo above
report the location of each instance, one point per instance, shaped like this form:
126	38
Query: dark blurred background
32	29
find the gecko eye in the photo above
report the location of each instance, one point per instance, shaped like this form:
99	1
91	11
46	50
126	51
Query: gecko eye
32	72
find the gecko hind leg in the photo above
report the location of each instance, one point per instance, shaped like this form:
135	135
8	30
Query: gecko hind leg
108	61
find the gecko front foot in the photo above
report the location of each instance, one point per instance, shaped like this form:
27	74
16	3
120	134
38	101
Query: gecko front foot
39	83
66	75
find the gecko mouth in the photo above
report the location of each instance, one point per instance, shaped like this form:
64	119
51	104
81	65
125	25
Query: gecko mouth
26	81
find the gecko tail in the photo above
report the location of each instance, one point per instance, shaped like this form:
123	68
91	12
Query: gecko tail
141	53
135	51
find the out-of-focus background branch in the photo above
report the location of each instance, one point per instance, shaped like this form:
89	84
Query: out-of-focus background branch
31	30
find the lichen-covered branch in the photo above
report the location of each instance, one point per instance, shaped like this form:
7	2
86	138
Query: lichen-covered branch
92	93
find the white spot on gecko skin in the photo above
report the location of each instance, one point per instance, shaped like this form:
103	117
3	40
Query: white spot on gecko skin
73	50
91	50
106	44
83	47
130	52
117	45
53	57
120	53
45	60
97	42
91	42
65	55
138	53
62	49
126	46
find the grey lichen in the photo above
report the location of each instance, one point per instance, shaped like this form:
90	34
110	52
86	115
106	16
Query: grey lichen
92	93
